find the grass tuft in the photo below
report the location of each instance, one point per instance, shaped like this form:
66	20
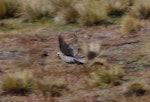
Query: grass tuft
20	83
104	76
116	7
55	88
91	13
8	8
67	15
33	10
138	88
130	24
141	9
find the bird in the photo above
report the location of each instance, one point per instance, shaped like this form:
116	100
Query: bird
68	52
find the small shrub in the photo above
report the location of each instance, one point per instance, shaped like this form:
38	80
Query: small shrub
55	87
20	83
130	24
8	8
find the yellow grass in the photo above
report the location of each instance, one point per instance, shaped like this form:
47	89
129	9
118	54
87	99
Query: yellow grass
18	82
33	10
55	88
65	11
116	7
141	9
107	76
130	24
8	8
90	13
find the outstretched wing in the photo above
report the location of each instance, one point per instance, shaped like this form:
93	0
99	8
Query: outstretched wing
65	48
74	45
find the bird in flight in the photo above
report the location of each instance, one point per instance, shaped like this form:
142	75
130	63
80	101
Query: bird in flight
68	52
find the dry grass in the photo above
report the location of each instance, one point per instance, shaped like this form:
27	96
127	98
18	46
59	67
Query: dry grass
116	7
130	24
137	88
55	88
8	8
105	76
34	10
83	12
91	13
64	11
141	9
18	82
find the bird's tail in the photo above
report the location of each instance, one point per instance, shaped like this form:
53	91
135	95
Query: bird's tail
81	60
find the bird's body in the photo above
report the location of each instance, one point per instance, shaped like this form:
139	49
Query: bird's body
71	60
69	51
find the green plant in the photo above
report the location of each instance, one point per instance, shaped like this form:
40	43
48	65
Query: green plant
18	83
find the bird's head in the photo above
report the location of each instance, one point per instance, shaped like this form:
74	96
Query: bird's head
59	54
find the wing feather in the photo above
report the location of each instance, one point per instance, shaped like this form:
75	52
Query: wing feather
65	48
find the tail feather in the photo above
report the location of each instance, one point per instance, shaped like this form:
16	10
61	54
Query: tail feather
80	59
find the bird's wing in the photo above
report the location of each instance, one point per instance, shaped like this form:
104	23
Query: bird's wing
74	45
65	48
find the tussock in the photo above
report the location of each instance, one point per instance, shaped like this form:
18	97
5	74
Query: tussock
20	83
130	24
91	13
8	8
